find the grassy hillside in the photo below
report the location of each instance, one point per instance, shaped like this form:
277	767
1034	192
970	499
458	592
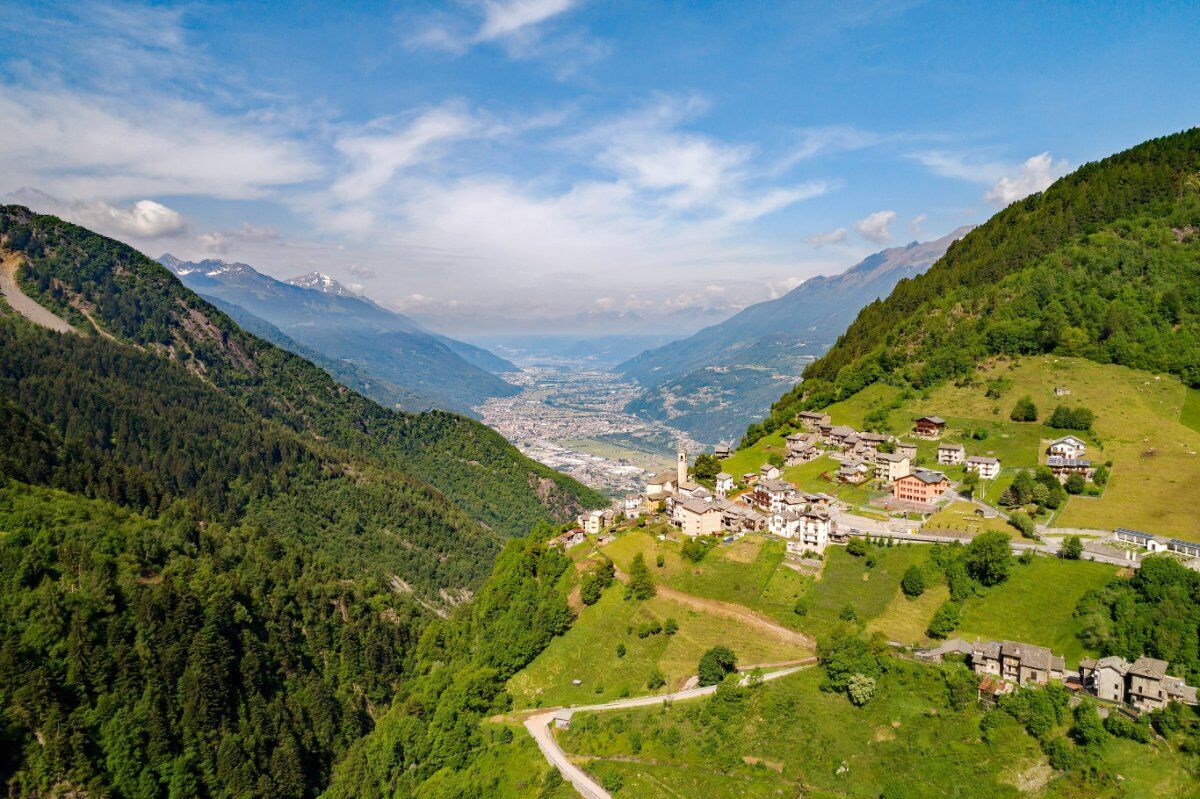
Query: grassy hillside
1147	424
588	651
1037	605
1103	265
1140	427
748	572
790	738
847	581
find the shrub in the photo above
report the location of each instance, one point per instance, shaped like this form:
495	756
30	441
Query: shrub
641	584
801	607
621	650
988	558
1021	521
776	460
844	654
611	780
656	680
860	688
595	581
1072	418
913	583
590	590
944	621
715	664
694	550
660	561
1121	726
848	613
671	627
1024	410
1075	484
1087	729
1072	548
1061	755
856	547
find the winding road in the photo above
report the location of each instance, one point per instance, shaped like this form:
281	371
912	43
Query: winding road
539	726
21	303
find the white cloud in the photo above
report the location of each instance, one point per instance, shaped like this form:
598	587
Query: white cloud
1009	182
510	17
376	153
1034	175
827	238
963	166
76	144
144	219
514	24
915	226
874	227
221	242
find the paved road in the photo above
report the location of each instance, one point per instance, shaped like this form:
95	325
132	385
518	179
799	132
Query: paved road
21	303
861	527
539	727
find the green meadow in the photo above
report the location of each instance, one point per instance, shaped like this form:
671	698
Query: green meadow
749	571
847	581
1036	604
588	652
788	738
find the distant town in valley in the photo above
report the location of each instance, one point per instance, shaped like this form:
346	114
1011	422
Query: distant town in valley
572	418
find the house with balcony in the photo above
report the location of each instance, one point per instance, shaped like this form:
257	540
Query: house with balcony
986	467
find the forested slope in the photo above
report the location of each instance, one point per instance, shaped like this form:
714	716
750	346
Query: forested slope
1104	264
148	657
180	337
217	564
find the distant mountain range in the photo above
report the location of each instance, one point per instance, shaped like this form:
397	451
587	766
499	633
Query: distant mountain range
381	353
710	383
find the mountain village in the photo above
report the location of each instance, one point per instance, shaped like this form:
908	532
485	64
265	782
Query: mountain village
724	507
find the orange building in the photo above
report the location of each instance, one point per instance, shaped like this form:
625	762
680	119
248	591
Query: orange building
923	485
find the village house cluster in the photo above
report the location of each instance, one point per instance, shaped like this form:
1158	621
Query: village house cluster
1143	685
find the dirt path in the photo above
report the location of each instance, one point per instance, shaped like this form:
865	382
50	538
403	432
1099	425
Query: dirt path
539	726
732	610
22	304
739	613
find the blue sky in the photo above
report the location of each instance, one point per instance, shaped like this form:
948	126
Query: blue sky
532	164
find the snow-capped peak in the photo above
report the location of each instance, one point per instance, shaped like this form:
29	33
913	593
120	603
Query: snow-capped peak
322	283
210	267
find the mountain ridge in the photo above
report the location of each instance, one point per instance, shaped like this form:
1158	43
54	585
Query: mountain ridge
156	327
434	371
1104	264
708	383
